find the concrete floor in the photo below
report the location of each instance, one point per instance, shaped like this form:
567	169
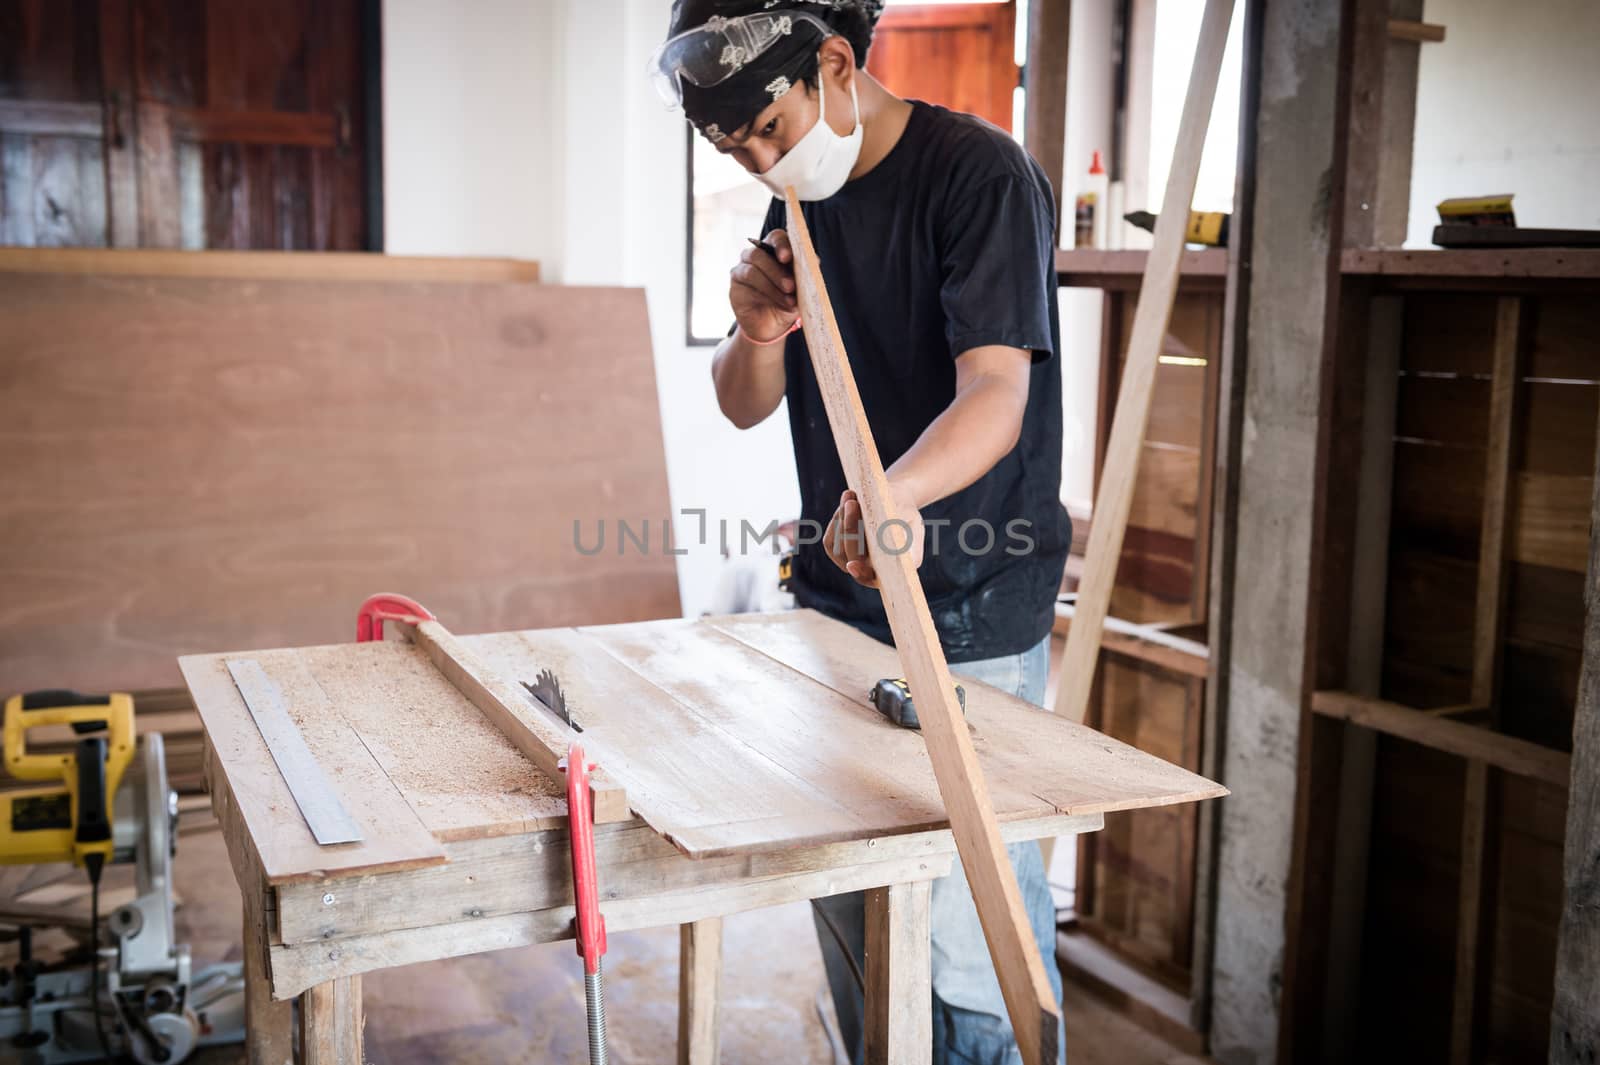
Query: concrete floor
526	1005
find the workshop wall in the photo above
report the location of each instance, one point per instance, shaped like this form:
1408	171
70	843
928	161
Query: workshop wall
1530	129
532	130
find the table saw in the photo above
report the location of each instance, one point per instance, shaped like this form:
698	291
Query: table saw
740	758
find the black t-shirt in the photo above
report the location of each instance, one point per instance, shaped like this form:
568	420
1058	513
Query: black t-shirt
948	244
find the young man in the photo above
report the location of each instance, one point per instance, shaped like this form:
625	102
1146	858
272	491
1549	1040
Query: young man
936	234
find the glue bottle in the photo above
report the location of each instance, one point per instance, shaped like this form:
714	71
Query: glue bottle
1090	208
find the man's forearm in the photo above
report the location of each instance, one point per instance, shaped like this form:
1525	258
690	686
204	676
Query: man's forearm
748	378
976	431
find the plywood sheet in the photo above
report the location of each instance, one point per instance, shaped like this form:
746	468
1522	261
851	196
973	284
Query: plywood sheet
205	465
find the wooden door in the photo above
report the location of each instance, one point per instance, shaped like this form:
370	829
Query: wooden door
959	55
175	123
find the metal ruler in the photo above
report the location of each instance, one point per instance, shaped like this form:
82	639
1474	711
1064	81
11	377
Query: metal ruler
319	803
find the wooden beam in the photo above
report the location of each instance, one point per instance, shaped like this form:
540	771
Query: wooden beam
1479	869
1574	1021
331	1023
1045	119
699	991
268	1024
1581	264
1376	350
1156	295
120	147
262	265
1406	29
1472	742
287	128
899	992
1146	643
1232	377
51	118
530	727
1029	1001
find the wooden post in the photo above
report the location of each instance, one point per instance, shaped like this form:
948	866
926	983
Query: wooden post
1379	356
1156	293
1223	558
1287	408
899	992
268	1024
1574	1021
331	1022
1045	121
1479	857
699	991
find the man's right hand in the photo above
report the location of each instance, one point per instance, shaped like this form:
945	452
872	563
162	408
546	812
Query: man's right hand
761	290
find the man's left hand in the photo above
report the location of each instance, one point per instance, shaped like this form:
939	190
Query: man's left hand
847	537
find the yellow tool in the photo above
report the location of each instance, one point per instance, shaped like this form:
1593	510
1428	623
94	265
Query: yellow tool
70	819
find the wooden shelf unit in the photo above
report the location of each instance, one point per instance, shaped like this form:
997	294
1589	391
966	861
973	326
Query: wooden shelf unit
1136	882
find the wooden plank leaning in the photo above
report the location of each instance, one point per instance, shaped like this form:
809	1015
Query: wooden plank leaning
1034	1014
1156	294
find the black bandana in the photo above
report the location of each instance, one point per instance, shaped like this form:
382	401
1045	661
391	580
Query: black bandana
726	107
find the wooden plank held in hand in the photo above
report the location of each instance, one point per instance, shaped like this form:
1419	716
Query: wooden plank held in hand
1156	294
1023	983
530	727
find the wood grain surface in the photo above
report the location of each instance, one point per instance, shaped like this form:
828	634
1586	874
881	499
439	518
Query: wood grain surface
207	465
736	738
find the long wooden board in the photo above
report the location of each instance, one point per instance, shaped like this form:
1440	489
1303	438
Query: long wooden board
1138	374
263	265
1035	1016
219	465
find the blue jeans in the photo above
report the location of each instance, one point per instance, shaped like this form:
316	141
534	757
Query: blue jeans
970	1026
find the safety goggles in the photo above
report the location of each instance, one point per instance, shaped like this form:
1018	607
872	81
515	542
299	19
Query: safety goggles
711	54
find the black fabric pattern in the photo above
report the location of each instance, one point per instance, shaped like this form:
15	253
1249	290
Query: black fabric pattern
946	245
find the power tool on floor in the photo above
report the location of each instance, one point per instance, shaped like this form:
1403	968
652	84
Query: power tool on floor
107	801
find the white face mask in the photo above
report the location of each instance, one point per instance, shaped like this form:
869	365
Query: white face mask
820	162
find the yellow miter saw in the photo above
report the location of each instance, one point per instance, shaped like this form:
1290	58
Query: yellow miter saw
107	801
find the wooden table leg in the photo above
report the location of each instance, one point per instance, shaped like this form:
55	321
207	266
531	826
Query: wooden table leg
899	1023
268	1025
330	1023
699	991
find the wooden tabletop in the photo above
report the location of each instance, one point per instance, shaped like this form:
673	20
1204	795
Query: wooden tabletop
735	735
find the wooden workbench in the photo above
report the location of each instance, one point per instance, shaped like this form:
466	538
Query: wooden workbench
757	772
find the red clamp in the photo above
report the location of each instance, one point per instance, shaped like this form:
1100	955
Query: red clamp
585	889
386	606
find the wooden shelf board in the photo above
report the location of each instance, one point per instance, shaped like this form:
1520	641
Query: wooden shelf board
1474	263
1092	268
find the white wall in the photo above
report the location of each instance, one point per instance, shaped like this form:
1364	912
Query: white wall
514	127
1088	129
466	138
1507	103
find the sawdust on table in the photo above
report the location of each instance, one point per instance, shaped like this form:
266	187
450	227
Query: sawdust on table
449	761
